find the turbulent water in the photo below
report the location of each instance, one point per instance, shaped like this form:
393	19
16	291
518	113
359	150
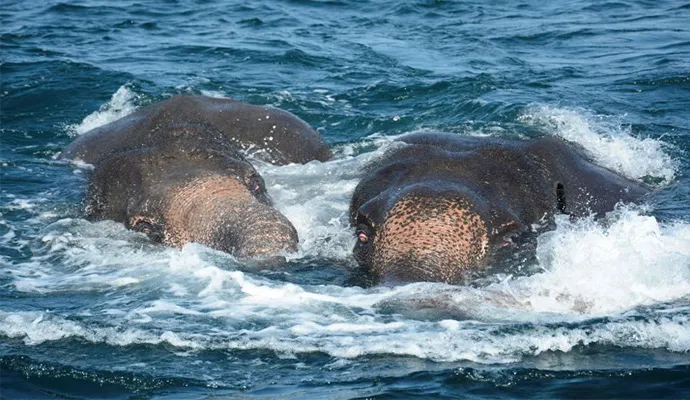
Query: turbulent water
598	309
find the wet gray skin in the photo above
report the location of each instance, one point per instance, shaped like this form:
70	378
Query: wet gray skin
439	208
175	171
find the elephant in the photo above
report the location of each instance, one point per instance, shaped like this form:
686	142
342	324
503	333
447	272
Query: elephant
439	206
178	171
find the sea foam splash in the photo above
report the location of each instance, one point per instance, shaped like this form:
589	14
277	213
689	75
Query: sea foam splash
122	103
610	143
594	269
236	311
315	197
592	277
205	303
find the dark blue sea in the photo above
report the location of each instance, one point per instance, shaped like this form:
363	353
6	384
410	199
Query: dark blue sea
598	309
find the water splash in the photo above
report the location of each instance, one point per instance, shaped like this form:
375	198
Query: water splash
591	278
610	143
122	103
596	269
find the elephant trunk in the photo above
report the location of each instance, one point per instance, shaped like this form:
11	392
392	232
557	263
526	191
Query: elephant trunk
222	213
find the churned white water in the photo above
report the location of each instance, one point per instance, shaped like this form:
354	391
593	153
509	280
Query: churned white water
590	283
610	142
122	103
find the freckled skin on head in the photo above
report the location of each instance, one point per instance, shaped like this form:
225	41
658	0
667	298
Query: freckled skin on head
429	239
438	208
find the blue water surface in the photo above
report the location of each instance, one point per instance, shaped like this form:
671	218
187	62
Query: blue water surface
601	309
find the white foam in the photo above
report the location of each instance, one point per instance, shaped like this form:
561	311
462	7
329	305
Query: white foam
214	93
122	103
21	204
98	255
609	142
39	327
236	310
81	165
315	197
438	341
591	269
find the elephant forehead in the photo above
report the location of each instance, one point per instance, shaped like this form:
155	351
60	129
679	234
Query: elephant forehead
206	188
442	228
202	201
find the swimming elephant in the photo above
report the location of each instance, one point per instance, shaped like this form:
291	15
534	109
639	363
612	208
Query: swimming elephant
437	208
176	171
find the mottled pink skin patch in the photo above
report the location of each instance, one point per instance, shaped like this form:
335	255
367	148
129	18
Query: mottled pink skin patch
429	240
200	209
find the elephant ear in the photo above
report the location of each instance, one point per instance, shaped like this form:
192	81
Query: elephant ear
115	184
582	187
589	188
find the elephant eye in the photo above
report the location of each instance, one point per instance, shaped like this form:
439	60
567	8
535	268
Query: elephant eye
147	227
254	183
257	188
144	227
364	234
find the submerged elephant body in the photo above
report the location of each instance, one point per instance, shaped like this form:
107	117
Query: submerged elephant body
436	208
176	171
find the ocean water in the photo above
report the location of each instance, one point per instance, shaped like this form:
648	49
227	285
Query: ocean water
600	309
